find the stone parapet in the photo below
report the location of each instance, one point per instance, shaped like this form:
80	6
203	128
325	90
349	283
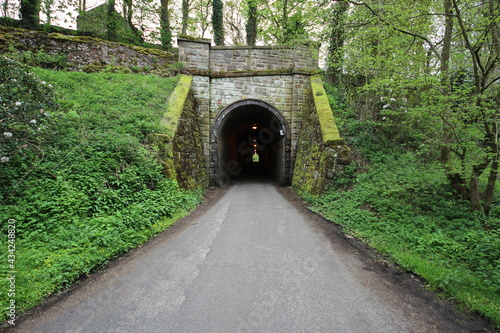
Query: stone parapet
200	58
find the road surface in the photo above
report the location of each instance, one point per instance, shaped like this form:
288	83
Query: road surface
251	261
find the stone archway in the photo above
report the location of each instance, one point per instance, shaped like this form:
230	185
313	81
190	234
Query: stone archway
240	131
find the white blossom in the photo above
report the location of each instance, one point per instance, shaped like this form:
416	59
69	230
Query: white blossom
4	159
18	103
33	121
8	134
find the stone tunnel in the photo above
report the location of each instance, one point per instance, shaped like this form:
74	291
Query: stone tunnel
259	114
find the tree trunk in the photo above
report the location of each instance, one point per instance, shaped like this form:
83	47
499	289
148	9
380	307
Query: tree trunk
30	14
129	9
335	53
475	193
165	31
218	22
445	82
185	16
111	21
251	26
490	187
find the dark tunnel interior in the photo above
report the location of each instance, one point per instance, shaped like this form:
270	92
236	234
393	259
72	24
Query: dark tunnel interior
251	142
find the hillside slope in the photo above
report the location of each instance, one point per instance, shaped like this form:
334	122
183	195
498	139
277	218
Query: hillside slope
90	187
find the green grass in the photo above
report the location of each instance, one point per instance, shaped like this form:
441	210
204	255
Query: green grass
94	189
395	196
404	207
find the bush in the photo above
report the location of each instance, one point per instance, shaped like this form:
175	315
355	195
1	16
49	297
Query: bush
25	102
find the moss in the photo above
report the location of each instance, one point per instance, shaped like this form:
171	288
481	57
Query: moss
155	52
170	120
176	102
194	39
84	39
329	130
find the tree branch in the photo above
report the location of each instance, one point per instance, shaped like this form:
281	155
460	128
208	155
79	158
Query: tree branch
427	40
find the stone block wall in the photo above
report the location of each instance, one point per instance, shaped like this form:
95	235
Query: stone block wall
276	75
188	152
194	53
82	52
275	90
182	151
263	58
321	153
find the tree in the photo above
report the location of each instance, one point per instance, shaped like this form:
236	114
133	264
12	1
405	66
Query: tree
336	41
480	34
128	12
218	22
30	14
202	9
185	16
165	30
111	21
58	10
46	8
251	26
417	82
82	5
289	21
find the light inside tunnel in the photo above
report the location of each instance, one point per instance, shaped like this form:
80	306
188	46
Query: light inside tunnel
247	131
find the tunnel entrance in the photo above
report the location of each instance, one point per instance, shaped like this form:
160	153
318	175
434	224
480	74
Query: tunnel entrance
250	141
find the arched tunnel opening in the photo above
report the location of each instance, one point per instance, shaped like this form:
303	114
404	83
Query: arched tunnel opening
252	141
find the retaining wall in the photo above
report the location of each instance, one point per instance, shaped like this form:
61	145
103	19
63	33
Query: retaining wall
85	53
182	153
321	152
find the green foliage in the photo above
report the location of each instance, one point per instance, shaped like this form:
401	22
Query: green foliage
218	22
408	77
40	59
99	189
404	207
25	103
401	202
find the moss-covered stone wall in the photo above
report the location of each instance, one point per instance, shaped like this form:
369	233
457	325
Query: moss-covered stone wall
85	53
321	152
182	153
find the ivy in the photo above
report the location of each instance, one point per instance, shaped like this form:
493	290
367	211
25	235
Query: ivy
218	22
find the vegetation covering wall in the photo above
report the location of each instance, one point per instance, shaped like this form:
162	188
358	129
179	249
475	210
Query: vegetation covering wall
182	155
85	53
321	153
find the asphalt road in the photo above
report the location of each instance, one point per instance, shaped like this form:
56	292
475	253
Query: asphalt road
250	261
